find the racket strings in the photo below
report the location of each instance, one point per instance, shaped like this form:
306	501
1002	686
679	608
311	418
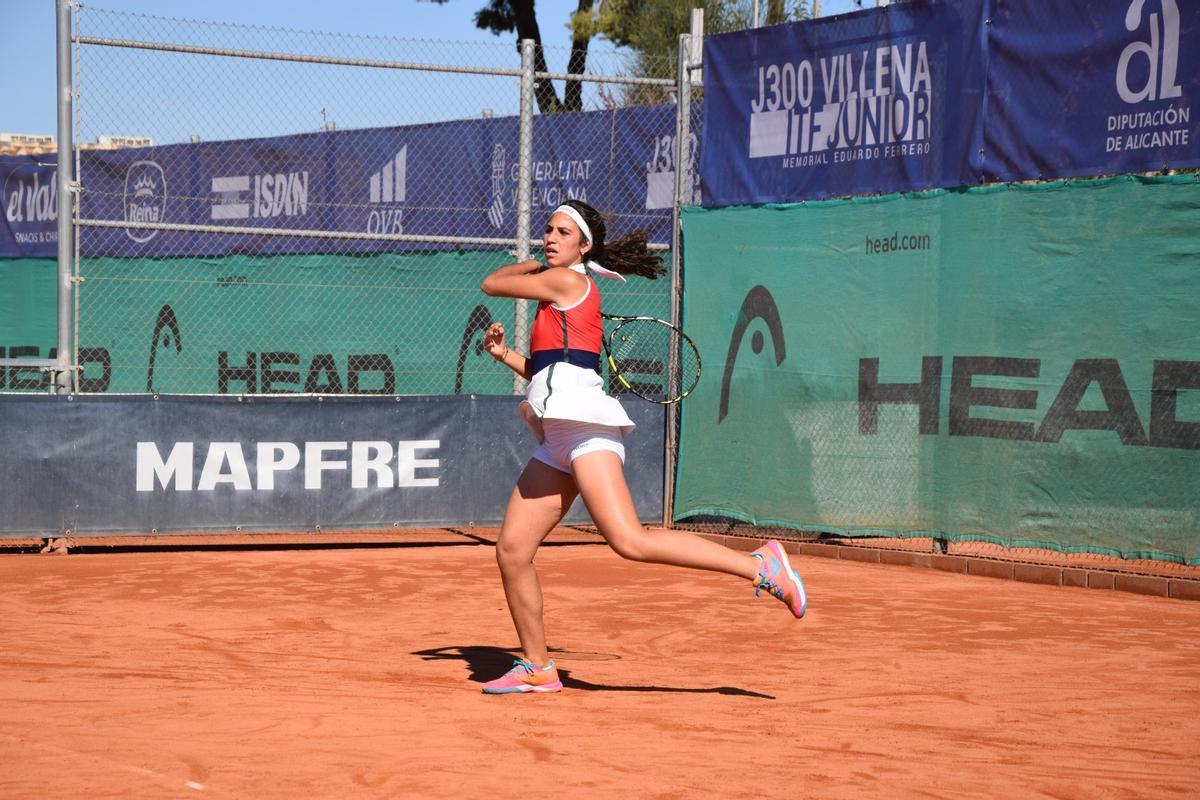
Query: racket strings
654	359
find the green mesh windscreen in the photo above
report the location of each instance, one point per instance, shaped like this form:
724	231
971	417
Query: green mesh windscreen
390	324
1014	364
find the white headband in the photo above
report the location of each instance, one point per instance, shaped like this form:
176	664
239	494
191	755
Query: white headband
586	232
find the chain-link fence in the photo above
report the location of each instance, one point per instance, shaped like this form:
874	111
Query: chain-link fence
310	212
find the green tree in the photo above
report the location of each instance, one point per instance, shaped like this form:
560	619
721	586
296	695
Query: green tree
507	16
651	29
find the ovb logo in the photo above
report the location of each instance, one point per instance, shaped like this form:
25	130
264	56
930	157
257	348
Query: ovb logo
1157	59
145	198
388	186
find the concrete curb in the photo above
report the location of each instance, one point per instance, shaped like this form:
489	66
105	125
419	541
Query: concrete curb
1046	574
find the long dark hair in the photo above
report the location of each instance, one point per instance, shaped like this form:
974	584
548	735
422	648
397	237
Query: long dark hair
627	255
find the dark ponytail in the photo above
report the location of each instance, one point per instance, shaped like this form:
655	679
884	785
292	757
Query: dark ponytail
627	255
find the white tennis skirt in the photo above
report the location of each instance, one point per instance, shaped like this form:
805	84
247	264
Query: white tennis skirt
567	392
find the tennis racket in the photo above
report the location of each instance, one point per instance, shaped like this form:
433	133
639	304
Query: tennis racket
651	358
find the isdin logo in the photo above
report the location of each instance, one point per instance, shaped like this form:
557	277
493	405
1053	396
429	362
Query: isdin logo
145	198
1157	59
281	194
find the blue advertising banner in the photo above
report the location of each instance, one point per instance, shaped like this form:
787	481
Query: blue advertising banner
879	101
455	179
1091	88
178	464
30	198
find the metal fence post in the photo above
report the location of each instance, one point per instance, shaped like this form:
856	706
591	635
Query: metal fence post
520	332
683	184
65	378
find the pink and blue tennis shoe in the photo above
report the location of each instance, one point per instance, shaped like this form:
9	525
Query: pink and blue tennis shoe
525	676
775	574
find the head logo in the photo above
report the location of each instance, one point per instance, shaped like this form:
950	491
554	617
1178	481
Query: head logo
496	211
759	304
388	186
1161	54
478	322
145	198
166	336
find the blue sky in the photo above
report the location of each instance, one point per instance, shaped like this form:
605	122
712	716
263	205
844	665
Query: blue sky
27	59
27	35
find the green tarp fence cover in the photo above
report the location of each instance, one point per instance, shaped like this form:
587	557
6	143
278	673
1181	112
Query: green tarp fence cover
392	323
1014	364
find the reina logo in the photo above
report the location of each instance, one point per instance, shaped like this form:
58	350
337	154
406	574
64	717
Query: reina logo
145	198
388	186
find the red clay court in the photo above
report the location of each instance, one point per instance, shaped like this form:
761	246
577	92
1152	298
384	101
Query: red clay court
355	671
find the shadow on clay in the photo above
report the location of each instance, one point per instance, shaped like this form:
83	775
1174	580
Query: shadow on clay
485	663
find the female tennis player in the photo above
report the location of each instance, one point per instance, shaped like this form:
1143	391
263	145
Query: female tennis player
580	430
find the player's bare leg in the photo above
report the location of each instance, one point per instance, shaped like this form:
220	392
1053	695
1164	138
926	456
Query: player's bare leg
540	499
601	479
